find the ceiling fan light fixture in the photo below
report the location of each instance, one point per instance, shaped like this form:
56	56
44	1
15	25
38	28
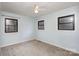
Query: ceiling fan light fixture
36	9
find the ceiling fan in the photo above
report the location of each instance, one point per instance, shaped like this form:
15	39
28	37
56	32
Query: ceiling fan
36	9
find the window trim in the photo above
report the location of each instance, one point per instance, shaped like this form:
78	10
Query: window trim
41	25
73	22
11	25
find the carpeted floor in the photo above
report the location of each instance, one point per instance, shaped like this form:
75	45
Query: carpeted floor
34	48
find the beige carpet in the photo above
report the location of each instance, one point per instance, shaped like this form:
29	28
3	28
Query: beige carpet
34	48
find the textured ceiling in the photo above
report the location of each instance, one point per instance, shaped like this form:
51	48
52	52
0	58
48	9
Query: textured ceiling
26	8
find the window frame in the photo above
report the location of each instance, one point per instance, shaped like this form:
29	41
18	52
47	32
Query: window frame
15	26
41	25
73	22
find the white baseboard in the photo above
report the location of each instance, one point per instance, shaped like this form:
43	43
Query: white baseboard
12	43
68	49
72	50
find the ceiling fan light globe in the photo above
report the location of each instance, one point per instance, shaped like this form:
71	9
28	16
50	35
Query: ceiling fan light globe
36	11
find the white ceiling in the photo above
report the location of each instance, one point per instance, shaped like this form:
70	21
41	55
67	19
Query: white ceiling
26	8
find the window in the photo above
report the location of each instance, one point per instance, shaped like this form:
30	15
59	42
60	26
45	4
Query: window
66	22
41	25
11	25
